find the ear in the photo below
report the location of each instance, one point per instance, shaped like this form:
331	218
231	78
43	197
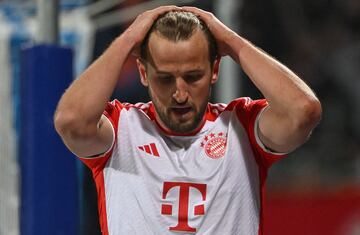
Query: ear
142	72
215	72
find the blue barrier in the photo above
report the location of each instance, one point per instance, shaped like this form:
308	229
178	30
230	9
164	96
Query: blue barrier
49	197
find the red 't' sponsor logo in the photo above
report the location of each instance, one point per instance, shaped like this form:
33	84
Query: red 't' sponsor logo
184	194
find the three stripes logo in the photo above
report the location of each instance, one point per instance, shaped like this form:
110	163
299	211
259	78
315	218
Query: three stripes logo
150	149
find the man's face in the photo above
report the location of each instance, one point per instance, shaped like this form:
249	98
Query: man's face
179	77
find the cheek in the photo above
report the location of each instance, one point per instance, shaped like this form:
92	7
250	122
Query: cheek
201	92
161	95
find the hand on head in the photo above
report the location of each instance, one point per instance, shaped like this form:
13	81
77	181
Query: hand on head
138	30
220	31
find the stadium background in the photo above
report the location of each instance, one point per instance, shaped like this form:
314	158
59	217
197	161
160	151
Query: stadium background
315	191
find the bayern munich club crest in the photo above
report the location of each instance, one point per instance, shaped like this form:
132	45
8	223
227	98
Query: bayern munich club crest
215	145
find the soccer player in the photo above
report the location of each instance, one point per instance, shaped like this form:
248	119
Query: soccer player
178	164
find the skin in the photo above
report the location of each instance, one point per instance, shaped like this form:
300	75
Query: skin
286	123
179	78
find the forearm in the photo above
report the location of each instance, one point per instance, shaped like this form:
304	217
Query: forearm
83	103
293	108
286	93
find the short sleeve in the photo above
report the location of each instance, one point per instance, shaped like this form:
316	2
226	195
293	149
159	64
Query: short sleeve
249	112
112	114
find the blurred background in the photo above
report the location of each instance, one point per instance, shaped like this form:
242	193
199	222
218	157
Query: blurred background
315	191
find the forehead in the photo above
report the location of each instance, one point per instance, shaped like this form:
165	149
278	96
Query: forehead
192	53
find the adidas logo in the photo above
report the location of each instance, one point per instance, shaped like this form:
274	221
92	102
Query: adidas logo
150	149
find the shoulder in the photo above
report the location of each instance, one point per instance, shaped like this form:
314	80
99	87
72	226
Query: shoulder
116	104
246	104
242	105
244	109
247	108
115	107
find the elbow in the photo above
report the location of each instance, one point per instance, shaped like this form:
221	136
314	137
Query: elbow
313	111
63	122
70	125
309	114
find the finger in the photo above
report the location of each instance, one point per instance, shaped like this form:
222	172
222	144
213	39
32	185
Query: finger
204	15
148	17
194	10
155	13
164	9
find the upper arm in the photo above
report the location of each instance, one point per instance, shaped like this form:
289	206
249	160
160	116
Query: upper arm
283	133
94	143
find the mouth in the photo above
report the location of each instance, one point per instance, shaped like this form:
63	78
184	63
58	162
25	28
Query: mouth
181	111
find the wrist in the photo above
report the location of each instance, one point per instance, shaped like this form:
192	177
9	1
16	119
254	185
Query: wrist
128	38
123	44
235	42
232	45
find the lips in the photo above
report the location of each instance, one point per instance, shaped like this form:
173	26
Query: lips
181	110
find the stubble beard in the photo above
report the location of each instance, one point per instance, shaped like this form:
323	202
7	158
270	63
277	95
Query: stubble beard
164	115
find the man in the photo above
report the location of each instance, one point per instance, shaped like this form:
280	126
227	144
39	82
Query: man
179	164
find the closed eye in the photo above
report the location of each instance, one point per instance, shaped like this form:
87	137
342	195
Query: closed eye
165	78
190	78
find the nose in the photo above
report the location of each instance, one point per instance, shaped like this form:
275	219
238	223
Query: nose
181	93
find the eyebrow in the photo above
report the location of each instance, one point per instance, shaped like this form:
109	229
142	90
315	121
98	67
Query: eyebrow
159	72
194	71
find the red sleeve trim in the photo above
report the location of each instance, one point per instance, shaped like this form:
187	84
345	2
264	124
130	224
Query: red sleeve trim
112	113
247	111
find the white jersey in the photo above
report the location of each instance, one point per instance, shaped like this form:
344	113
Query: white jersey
210	181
